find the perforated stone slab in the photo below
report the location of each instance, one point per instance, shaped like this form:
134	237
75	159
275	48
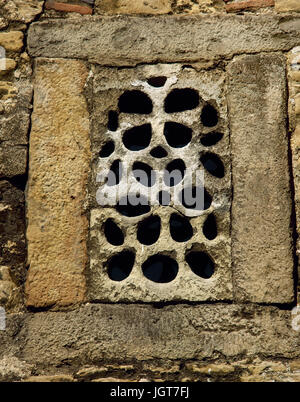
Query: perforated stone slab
208	275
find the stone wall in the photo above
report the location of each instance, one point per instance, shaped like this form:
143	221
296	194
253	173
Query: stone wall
63	67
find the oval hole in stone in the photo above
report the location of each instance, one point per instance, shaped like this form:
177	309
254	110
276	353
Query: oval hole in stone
164	198
200	263
180	100
115	173
138	138
107	149
132	206
180	228
157	82
177	135
174	173
113	120
209	116
135	102
211	139
144	174
210	229
120	265
160	268
149	230
113	233
191	198
158	152
213	164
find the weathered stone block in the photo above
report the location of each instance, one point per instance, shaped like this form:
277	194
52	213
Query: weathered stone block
58	169
199	6
12	40
262	249
13	160
282	6
112	40
21	10
95	333
133	7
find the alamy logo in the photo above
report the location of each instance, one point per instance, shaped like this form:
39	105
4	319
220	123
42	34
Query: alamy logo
137	187
2	319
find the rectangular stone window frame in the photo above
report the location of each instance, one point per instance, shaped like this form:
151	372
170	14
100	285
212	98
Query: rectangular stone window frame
261	232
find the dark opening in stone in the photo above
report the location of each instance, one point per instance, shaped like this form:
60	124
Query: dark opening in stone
192	198
177	135
149	230
210	229
158	152
107	149
164	198
18	181
160	268
211	139
120	265
157	81
115	173
132	206
175	171
180	100
200	263
213	164
144	174
113	233
135	102
209	116
180	228
137	138
113	120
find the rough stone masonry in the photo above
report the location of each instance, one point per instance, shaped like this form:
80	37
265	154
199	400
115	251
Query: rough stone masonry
163	291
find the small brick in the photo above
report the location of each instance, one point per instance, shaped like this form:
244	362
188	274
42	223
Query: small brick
69	8
248	5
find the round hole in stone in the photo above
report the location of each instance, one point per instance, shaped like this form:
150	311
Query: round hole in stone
174	172
113	233
200	263
137	138
144	174
135	102
107	149
164	198
149	230
160	268
213	164
113	120
158	152
115	174
195	197
177	135
210	229
157	82
209	116
120	265
133	205
180	228
181	99
211	139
